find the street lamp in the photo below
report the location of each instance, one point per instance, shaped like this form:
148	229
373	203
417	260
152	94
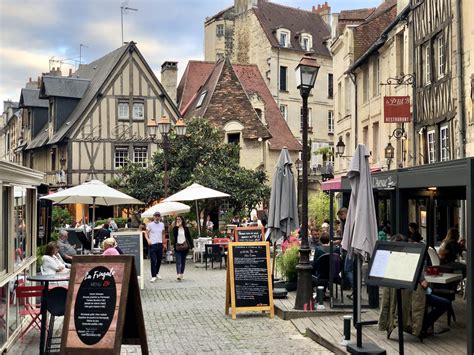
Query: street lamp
298	166
340	147
306	73
389	153
164	126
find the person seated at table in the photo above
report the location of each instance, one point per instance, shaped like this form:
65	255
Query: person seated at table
52	261
437	307
323	247
289	241
449	251
66	250
235	220
109	245
102	234
314	238
414	235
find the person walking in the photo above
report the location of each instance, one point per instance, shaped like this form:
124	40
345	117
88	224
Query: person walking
154	237
182	243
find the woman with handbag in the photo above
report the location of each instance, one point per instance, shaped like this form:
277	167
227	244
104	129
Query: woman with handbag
182	243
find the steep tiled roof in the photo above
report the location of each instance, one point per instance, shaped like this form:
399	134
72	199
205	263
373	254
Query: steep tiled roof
60	86
369	31
273	16
197	78
30	98
352	17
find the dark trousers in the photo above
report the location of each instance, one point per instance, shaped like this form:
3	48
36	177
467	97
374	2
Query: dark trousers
156	254
439	306
180	261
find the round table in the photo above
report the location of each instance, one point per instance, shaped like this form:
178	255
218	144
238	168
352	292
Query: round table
45	280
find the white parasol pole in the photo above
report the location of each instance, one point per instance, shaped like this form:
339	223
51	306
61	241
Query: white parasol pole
93	221
197	217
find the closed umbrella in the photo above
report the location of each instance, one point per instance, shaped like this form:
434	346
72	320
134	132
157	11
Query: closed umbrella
283	212
196	192
166	208
360	230
94	193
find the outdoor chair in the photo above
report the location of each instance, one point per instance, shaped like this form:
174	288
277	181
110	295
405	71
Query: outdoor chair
26	296
321	272
213	252
198	252
56	306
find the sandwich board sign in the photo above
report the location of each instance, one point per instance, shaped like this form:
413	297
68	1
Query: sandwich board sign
103	307
249	234
249	280
131	243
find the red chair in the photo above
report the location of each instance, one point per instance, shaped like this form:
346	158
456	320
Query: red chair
26	296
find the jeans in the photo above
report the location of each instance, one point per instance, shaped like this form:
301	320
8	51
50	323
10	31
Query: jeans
180	261
349	272
156	254
439	306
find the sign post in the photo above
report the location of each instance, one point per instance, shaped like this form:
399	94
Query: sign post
249	281
103	308
131	243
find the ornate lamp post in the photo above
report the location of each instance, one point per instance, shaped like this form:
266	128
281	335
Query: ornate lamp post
306	73
163	126
298	166
389	154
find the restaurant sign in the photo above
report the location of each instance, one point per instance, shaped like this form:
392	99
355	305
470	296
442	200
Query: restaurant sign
396	109
384	182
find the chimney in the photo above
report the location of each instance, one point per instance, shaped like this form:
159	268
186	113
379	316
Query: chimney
70	72
324	11
169	78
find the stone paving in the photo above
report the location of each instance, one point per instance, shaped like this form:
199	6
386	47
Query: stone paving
187	317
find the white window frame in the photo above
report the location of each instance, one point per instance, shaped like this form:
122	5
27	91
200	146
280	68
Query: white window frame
331	121
120	156
306	42
310	118
140	155
283	37
123	110
441	49
427	63
138	111
202	96
430	142
220	30
284	112
444	143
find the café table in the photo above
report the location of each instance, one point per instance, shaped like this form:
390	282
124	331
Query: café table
45	280
444	279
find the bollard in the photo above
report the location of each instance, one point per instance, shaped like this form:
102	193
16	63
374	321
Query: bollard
320	305
347	330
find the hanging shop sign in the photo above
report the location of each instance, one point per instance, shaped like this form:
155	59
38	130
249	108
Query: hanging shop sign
396	109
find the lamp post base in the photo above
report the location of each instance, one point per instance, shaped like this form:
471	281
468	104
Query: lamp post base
304	291
367	348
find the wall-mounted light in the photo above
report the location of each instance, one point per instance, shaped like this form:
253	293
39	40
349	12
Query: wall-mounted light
432	188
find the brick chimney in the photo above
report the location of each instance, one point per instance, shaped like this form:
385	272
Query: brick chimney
324	11
169	78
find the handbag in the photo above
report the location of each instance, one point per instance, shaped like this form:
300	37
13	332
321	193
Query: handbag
182	246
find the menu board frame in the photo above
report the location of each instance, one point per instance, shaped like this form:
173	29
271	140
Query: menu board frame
231	301
261	229
117	235
127	318
392	250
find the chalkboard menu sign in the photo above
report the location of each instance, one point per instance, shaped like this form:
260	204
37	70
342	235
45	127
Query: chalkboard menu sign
249	234
103	308
131	243
249	286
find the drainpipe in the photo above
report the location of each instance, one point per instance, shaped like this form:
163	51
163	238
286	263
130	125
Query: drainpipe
460	82
278	78
353	77
415	78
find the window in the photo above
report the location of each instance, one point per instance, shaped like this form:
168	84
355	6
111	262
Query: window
4	229
121	156
201	99
284	112
220	30
140	155
347	96
310	118
426	63
20	227
53	159
283	72
138	111
444	143
441	55
123	111
331	122
306	42
431	147
330	86
400	43
376	77
233	138
283	39
365	93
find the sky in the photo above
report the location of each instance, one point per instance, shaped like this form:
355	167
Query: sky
36	34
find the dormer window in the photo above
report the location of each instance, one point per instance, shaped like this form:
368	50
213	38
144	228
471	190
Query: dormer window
283	37
201	99
306	42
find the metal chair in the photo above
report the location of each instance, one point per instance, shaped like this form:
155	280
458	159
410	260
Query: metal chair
56	305
26	296
214	253
321	271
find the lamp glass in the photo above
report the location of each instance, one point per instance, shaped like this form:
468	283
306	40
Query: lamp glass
180	127
306	73
152	128
389	151
340	147
164	125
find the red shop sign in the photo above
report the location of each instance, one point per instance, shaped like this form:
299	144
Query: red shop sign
396	109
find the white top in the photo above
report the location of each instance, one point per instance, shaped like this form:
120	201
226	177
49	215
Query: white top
155	231
51	264
181	236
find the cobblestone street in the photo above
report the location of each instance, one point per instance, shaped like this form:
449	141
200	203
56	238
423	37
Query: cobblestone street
187	317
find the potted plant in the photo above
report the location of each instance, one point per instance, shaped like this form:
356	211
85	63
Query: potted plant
286	263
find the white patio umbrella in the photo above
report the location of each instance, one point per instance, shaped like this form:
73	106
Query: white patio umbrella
196	192
94	193
166	208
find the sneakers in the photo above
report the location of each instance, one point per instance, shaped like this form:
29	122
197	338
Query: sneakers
178	277
158	277
153	279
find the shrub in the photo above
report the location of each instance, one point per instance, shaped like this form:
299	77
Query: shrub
287	262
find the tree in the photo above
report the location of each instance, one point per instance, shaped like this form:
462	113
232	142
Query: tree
201	157
318	207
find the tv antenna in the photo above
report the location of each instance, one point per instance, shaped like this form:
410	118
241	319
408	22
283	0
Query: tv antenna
80	52
124	10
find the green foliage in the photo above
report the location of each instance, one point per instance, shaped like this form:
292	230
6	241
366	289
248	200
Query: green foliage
200	157
39	257
287	262
318	207
60	217
119	220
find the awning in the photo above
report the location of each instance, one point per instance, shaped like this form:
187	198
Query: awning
333	184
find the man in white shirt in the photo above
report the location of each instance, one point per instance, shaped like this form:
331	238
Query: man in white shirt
154	236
